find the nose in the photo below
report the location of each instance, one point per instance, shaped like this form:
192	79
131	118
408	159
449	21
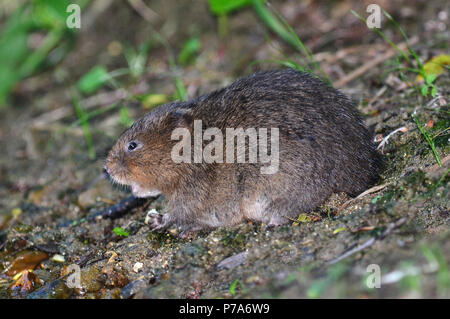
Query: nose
106	170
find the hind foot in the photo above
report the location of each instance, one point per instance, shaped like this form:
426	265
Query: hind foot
277	220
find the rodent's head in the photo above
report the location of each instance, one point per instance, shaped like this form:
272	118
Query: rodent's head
141	158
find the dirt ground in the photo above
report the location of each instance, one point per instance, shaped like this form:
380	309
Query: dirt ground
47	177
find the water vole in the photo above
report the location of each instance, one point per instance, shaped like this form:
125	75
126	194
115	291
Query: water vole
305	141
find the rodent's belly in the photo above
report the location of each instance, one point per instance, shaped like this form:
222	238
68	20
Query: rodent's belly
221	218
255	209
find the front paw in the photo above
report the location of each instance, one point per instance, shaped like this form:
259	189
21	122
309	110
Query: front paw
158	221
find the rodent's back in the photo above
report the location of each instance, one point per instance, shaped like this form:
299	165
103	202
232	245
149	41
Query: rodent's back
317	124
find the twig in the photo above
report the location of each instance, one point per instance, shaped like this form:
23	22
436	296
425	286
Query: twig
114	211
170	55
369	242
397	275
95	10
434	100
369	191
380	187
371	64
141	8
436	166
330	57
385	140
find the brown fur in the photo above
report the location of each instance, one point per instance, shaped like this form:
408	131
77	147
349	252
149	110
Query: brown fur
324	149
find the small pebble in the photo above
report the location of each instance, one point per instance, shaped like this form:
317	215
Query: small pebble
58	258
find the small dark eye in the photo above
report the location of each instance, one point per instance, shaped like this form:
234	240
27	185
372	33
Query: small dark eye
132	146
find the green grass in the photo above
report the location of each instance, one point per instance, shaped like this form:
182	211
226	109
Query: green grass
428	87
439	182
411	282
234	285
83	117
334	274
93	80
95	113
298	43
181	92
223	7
99	76
125	118
275	22
137	59
434	255
119	231
189	51
17	60
428	138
